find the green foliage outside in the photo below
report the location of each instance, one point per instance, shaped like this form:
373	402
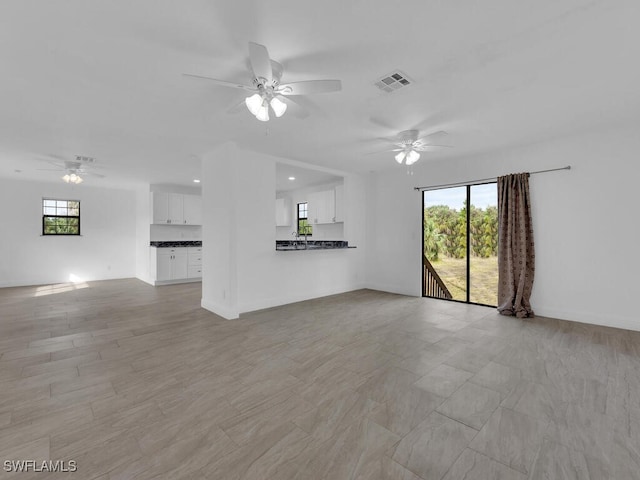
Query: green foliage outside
445	246
61	226
304	228
445	232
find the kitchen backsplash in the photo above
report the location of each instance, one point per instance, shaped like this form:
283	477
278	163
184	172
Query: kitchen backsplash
328	231
161	233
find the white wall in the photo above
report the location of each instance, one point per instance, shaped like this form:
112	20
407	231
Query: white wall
105	249
219	245
585	223
242	270
143	218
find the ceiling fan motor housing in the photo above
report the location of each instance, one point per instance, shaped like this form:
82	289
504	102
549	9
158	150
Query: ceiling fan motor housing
408	137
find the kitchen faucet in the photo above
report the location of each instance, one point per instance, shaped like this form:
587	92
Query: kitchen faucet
297	235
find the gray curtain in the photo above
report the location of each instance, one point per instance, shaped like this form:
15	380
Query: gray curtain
515	246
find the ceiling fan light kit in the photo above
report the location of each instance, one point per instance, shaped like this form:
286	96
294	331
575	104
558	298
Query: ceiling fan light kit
408	156
75	171
254	103
263	113
278	106
408	146
267	91
72	178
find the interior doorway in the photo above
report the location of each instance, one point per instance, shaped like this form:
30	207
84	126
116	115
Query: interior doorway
460	243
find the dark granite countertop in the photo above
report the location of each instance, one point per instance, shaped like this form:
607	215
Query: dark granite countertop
297	245
169	244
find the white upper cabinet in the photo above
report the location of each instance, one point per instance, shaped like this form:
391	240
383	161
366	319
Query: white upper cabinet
326	206
339	191
283	212
176	209
192	210
160	206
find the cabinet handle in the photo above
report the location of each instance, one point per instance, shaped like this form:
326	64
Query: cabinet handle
185	221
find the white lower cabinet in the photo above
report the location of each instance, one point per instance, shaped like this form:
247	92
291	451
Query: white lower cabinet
175	264
194	262
163	266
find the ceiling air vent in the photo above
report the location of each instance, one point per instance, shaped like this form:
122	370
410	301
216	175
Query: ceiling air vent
393	81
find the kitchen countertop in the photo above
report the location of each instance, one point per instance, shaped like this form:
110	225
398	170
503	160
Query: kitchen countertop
169	244
298	245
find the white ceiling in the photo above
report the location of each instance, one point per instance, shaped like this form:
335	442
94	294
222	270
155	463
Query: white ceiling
104	79
302	177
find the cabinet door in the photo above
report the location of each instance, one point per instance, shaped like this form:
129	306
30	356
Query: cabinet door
339	203
192	210
329	202
283	213
322	207
313	207
179	266
176	208
160	205
195	271
163	266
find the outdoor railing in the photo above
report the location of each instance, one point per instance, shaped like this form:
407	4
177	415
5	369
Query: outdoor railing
433	284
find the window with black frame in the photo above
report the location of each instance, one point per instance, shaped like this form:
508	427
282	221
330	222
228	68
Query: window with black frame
303	220
60	217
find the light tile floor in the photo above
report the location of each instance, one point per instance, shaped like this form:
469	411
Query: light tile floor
136	382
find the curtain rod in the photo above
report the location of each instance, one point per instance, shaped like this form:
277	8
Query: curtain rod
481	180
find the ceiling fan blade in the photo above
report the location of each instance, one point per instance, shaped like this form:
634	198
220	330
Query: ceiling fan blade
391	140
222	83
99	175
386	151
260	62
237	107
309	87
50	169
381	123
431	145
49	156
56	164
430	137
295	108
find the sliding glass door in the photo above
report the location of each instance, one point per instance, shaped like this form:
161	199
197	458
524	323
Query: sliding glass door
460	244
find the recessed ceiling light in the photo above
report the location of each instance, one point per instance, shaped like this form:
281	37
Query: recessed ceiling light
195	180
292	178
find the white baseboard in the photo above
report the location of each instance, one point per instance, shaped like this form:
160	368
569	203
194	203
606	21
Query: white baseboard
285	300
605	320
156	283
220	310
389	288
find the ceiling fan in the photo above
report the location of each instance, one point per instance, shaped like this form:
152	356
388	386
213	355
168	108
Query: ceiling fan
267	91
74	169
409	145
